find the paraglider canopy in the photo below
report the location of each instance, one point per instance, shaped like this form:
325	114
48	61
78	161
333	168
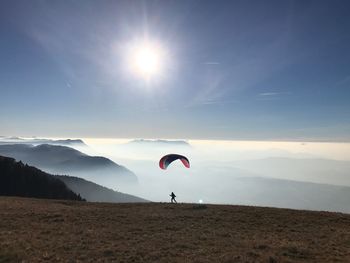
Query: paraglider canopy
169	158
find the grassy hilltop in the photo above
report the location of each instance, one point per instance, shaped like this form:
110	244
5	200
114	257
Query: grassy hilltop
36	230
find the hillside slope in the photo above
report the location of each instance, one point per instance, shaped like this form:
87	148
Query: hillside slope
63	231
18	179
96	193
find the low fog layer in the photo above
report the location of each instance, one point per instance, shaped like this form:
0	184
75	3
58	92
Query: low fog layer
282	174
253	173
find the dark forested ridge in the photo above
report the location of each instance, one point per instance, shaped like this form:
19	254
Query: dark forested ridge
18	179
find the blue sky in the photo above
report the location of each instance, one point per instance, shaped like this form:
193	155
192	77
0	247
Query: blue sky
261	70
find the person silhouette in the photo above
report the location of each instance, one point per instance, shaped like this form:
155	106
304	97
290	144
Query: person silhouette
173	197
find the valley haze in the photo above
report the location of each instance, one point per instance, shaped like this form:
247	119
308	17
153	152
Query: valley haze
301	175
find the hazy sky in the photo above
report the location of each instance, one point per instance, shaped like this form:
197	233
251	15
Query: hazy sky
230	70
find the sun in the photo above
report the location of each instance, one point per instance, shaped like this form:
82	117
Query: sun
146	60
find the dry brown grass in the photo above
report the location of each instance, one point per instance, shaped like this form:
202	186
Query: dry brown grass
63	231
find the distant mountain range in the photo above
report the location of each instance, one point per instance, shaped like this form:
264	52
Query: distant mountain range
37	141
159	143
18	179
65	160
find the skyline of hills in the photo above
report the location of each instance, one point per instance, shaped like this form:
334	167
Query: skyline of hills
58	159
159	143
37	141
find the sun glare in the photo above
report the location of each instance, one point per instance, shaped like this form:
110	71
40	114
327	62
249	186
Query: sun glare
146	60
